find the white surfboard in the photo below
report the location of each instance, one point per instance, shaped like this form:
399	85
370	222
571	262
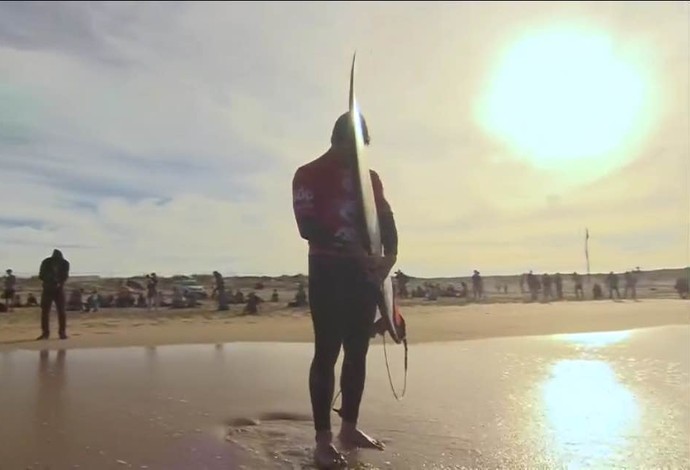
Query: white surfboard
387	309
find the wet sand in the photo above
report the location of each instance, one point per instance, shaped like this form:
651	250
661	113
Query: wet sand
589	400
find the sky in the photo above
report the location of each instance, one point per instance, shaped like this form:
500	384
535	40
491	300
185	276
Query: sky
140	137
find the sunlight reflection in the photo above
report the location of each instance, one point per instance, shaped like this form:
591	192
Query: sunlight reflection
597	339
589	411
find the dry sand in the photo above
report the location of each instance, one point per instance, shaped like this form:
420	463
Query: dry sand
427	322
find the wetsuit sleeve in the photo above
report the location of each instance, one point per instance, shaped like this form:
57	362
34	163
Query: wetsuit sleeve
389	232
306	213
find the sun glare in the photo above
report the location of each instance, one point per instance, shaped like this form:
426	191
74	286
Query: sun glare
566	95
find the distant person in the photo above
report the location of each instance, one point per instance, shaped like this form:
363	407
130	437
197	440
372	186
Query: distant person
300	297
477	286
558	281
546	283
579	292
533	285
219	290
402	281
630	285
597	292
31	300
523	280
274	296
152	291
612	282
463	289
93	301
53	273
252	306
10	290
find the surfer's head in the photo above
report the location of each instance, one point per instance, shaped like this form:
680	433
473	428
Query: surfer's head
343	133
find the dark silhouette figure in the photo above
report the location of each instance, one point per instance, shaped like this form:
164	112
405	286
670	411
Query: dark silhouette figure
597	292
53	273
630	285
300	297
612	281
579	292
31	300
533	285
558	281
546	283
477	286
402	280
10	290
219	290
252	306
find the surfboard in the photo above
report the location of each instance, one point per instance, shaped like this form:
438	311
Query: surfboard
388	317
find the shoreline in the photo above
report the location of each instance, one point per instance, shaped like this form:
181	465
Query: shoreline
425	324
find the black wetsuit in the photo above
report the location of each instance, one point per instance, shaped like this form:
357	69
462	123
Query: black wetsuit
342	301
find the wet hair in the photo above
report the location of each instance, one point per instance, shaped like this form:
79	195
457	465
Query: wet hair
57	254
342	130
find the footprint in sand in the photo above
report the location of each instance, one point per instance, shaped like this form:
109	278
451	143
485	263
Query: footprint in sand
282	439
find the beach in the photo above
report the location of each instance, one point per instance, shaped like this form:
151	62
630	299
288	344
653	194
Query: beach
563	385
426	322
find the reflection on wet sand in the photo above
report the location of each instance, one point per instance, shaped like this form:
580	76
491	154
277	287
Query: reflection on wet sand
595	340
495	403
49	420
590	413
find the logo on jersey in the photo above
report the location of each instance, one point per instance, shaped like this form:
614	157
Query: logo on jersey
302	194
346	234
348	211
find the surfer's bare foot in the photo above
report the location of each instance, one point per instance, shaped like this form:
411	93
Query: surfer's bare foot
326	456
351	437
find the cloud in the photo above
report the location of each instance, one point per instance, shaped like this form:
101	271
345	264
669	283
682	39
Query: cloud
163	137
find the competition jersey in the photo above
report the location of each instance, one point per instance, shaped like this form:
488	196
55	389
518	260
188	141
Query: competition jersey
326	190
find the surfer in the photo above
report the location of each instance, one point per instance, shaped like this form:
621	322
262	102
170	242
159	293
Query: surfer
343	282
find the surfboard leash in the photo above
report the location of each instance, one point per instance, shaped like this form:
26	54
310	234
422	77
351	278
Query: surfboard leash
390	378
388	370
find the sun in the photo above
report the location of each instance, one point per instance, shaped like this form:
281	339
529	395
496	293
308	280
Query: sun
566	95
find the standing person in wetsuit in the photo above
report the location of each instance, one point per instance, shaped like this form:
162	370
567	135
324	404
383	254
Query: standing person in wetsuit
53	273
344	282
